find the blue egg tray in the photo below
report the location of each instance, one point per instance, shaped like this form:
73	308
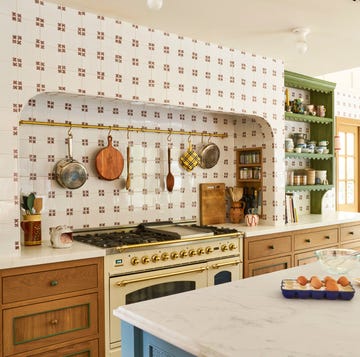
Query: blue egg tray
291	289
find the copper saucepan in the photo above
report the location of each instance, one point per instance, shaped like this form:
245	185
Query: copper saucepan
70	173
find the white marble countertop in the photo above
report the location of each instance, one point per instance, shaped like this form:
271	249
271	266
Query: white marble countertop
306	221
44	253
250	317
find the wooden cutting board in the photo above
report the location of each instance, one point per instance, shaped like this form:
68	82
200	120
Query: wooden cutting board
212	203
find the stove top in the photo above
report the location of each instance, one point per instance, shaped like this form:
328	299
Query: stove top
143	233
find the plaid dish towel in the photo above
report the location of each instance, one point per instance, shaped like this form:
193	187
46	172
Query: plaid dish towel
190	159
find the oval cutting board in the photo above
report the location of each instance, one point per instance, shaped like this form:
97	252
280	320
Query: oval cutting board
109	162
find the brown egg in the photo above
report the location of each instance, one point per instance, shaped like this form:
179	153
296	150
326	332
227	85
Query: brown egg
315	282
332	286
329	278
343	281
302	280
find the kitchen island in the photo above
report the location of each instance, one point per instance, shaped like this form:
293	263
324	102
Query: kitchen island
249	317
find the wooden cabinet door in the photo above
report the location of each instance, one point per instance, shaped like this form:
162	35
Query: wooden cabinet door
267	266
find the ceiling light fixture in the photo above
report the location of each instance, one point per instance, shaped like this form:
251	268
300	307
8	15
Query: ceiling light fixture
154	4
301	43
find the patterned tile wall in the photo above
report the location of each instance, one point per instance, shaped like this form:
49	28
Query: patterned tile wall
107	63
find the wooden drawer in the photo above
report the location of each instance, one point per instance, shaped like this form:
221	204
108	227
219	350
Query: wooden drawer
351	245
82	349
40	325
47	283
348	233
268	247
311	239
306	258
267	266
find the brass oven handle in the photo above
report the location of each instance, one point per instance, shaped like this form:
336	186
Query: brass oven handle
125	282
218	265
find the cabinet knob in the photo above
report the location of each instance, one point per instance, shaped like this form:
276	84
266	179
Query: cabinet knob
271	246
307	240
54	322
352	233
327	237
54	282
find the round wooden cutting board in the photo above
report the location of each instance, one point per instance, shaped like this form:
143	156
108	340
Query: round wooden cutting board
109	162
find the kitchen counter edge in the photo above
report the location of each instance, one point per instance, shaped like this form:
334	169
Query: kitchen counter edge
44	253
305	222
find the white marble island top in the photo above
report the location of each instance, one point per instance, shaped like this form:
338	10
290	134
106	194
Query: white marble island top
250	317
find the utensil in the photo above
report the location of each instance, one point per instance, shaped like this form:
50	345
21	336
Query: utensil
170	180
109	162
70	173
24	204
30	202
127	184
209	155
38	204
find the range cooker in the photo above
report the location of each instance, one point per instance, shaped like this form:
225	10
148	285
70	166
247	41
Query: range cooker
156	259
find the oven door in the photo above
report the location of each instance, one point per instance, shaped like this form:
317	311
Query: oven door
133	288
224	270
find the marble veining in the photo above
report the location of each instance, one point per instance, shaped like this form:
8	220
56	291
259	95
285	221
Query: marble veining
250	317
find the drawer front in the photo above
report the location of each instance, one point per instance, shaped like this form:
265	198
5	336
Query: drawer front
82	349
267	266
268	247
350	233
39	325
306	258
315	239
46	283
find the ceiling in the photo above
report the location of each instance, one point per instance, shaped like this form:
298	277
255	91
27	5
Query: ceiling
262	27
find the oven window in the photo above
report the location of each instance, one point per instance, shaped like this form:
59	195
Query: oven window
159	290
222	277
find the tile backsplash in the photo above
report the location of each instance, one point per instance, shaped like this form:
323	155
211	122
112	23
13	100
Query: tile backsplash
61	64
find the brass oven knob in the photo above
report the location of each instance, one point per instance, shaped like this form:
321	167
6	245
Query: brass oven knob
183	253
232	246
174	255
134	261
208	250
192	252
224	248
145	259
200	251
155	258
164	256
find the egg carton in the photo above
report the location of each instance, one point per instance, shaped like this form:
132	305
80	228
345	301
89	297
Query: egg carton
291	289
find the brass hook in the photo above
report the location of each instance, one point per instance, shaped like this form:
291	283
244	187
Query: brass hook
189	138
128	134
169	136
110	128
209	138
69	131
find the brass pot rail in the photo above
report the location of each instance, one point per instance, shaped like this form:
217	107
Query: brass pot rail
122	128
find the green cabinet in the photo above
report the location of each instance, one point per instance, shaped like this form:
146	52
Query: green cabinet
321	128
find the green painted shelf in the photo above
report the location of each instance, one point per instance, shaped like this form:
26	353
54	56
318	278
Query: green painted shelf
295	155
309	188
307	118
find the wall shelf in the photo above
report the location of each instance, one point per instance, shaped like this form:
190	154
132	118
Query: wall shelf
307	118
295	155
308	188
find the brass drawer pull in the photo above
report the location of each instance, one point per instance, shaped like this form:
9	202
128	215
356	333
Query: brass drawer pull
307	240
54	282
54	322
271	246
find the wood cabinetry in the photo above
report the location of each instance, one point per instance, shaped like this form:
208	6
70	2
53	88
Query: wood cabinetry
249	173
321	128
268	253
53	309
